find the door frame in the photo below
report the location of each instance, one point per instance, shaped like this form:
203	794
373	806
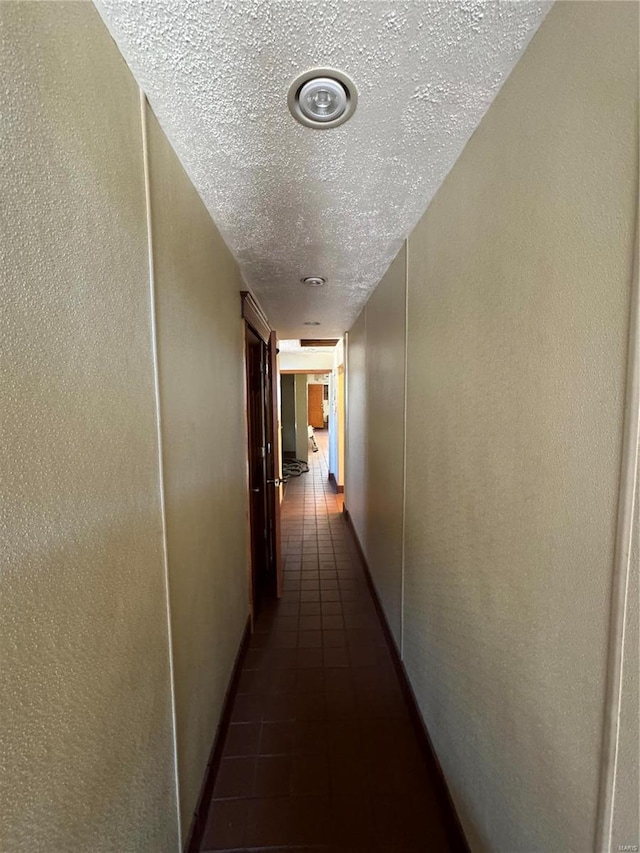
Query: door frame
256	321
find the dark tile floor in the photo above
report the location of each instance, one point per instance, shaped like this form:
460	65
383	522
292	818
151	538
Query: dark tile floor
321	753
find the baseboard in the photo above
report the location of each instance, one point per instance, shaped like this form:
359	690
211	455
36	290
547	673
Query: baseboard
337	489
452	821
199	821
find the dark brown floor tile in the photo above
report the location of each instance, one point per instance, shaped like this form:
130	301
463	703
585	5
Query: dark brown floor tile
348	776
333	639
341	706
281	680
309	595
260	640
285	640
242	740
247	708
311	737
310	706
309	658
352	820
349	595
286	610
310	774
282	659
286	623
280	707
373	677
310	608
268	822
385	703
287	597
225	825
254	681
310	820
309	680
277	738
273	776
332	622
255	659
335	657
366	637
329	595
363	655
402	825
235	778
338	678
309	639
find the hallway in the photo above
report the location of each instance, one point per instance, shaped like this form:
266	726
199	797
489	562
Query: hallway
321	753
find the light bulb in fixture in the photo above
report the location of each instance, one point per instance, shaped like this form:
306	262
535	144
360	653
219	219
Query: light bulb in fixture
313	281
322	98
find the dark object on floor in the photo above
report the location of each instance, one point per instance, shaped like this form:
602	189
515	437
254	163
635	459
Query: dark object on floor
294	468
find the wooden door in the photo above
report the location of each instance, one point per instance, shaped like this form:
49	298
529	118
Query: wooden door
274	469
258	494
314	406
264	453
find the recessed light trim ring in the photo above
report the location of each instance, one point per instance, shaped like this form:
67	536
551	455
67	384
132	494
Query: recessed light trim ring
313	281
328	98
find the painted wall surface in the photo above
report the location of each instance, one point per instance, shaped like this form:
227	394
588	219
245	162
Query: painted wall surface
288	402
302	435
383	458
385	445
335	422
309	361
519	281
357	483
200	356
341	425
85	732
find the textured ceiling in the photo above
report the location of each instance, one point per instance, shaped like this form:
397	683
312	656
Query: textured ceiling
292	201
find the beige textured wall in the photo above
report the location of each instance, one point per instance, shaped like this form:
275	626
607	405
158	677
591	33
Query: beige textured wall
356	483
302	434
85	716
288	409
200	356
383	457
518	311
86	730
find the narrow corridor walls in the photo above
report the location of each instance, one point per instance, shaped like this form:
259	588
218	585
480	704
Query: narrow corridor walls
122	474
519	283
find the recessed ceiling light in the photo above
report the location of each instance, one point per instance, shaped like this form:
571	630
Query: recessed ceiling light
313	281
322	98
311	323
